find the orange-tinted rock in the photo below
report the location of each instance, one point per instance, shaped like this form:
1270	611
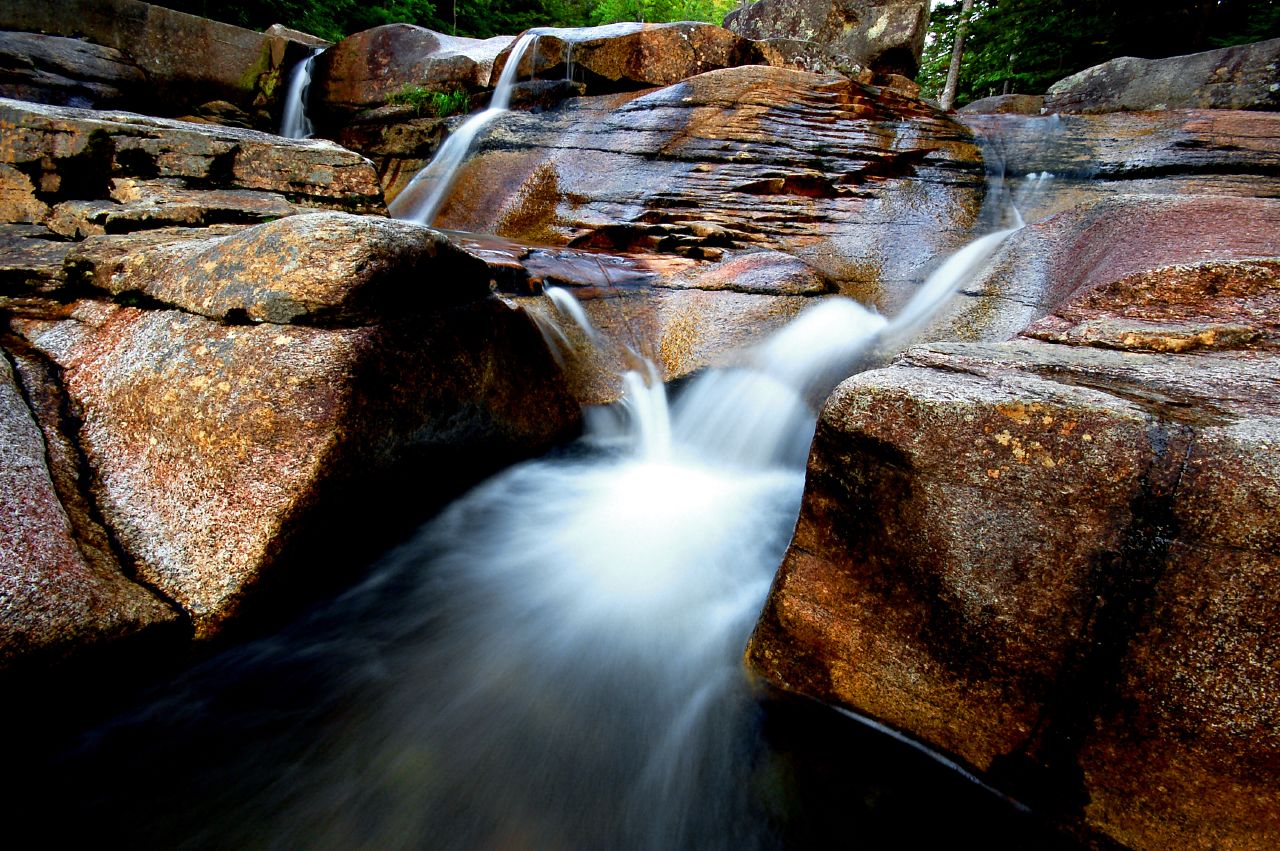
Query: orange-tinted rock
1054	557
631	55
60	588
314	268
865	187
1005	105
214	446
1239	77
79	155
364	70
882	35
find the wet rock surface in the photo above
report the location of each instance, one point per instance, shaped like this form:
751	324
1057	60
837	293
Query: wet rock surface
365	70
839	175
186	60
1239	77
1052	556
884	36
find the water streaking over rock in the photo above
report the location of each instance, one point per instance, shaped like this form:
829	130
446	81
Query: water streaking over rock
294	123
429	189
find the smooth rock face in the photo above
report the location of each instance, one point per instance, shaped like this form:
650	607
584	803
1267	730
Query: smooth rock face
61	587
187	60
623	56
885	36
65	71
364	70
1240	77
865	187
1053	557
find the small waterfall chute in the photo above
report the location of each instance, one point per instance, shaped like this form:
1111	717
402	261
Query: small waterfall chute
294	122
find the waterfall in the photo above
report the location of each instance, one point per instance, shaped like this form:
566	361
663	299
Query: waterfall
294	123
555	661
422	199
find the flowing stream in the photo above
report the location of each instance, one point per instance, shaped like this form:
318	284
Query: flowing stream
552	663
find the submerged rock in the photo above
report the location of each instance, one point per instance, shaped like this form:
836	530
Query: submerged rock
1245	76
884	36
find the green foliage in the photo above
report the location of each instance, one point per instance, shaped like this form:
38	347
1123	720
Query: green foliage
661	11
1027	45
439	104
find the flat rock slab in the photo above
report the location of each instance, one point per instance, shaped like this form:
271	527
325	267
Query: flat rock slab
65	71
71	154
1245	76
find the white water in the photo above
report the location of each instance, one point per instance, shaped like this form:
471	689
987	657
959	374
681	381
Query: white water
294	123
422	199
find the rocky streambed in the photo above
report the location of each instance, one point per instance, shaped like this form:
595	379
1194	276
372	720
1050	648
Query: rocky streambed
1041	541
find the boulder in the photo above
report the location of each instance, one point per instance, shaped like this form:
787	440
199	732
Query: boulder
864	186
1005	105
624	56
187	60
884	36
1242	77
1052	557
364	71
61	586
275	379
154	172
66	71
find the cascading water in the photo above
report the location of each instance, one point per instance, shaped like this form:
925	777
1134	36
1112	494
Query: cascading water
555	661
421	200
294	123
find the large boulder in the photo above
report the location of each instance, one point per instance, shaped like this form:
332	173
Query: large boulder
66	71
1051	557
866	187
365	70
623	56
188	61
884	36
1240	77
275	379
